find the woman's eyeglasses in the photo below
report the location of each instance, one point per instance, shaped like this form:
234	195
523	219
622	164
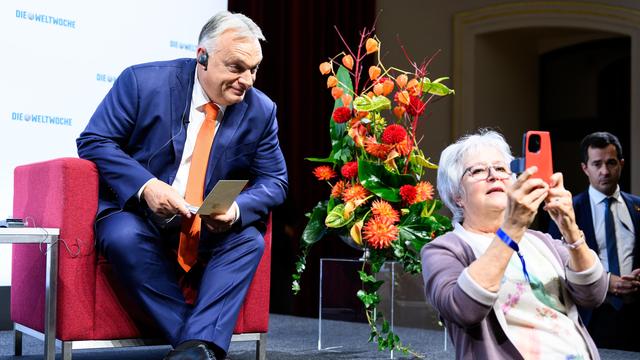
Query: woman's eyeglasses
482	172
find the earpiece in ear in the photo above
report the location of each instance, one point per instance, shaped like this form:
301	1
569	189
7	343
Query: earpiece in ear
203	60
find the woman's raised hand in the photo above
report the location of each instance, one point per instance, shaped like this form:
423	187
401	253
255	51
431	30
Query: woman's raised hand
524	197
559	205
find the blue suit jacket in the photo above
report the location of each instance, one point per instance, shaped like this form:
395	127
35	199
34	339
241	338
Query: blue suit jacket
584	219
139	130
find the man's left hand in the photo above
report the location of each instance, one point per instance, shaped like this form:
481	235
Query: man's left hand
219	223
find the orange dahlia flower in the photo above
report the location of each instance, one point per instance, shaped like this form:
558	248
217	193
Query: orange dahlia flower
424	191
338	188
380	232
383	209
324	172
356	193
372	147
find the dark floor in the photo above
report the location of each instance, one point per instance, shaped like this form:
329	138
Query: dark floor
289	338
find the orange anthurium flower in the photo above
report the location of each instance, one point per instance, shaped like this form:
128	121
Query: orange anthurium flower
390	160
374	72
399	111
371	45
356	232
336	92
361	114
387	87
401	80
349	207
357	132
347	61
378	89
332	81
403	97
346	99
325	68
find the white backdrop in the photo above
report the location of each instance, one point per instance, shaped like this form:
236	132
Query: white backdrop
59	59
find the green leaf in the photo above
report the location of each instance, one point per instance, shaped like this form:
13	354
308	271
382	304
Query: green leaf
380	181
436	87
335	218
368	299
366	278
323	160
420	160
315	228
377	103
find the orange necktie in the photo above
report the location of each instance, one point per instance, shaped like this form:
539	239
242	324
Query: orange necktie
190	231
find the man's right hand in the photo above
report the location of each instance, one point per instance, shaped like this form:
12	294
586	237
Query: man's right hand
627	284
164	200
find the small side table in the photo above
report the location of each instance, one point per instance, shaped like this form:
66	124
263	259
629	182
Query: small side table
345	271
48	236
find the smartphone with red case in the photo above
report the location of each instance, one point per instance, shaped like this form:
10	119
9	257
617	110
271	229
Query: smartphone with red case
537	152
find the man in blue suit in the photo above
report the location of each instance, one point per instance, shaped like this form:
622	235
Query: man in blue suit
610	220
142	138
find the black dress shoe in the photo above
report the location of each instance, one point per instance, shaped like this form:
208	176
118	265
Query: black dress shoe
197	352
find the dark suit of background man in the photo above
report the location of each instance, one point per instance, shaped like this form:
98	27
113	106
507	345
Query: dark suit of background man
613	233
142	138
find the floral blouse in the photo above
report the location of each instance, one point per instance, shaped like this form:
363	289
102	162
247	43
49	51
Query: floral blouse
534	310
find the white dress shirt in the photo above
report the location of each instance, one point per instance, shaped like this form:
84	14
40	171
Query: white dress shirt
625	233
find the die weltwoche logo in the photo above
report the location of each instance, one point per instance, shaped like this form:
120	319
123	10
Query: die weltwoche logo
105	78
46	19
182	46
40	119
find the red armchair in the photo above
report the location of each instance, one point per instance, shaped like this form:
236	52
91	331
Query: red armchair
63	193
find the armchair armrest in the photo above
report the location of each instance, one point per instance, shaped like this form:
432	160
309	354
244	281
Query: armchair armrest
60	193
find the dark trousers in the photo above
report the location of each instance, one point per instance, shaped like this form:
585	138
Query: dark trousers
141	255
613	329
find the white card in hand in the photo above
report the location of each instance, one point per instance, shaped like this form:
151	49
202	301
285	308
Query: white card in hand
220	198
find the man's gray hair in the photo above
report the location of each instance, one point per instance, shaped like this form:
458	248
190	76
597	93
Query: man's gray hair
223	21
451	165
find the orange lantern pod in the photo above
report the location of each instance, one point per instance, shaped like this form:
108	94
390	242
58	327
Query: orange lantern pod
378	89
387	87
371	45
346	99
370	94
347	61
374	72
336	92
401	80
403	97
325	68
332	81
399	111
414	87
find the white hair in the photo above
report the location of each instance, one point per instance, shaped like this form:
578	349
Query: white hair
223	21
451	165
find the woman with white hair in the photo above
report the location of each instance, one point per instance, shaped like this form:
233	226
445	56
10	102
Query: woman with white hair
504	291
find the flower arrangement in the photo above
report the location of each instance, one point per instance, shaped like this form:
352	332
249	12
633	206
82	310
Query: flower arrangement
377	199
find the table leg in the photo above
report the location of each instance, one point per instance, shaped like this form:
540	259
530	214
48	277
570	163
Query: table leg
51	285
